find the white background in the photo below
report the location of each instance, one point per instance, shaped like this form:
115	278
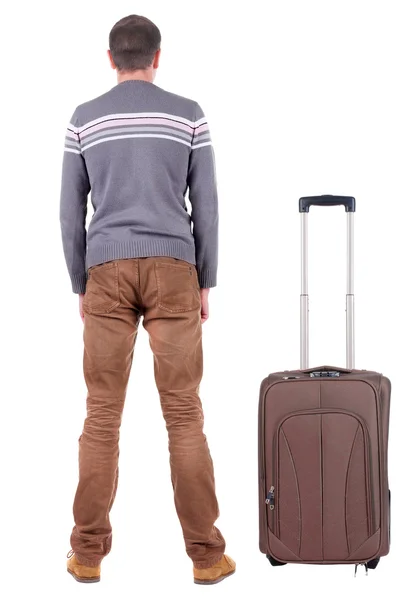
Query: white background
302	98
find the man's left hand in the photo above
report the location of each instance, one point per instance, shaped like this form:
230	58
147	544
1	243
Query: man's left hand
81	297
205	310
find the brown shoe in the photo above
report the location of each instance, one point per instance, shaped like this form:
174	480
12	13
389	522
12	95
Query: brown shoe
80	572
224	568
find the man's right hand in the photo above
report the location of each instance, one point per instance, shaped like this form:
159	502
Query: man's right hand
81	297
205	311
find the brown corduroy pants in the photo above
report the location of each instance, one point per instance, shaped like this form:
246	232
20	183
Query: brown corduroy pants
165	293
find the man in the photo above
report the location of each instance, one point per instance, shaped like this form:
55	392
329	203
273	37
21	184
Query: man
138	149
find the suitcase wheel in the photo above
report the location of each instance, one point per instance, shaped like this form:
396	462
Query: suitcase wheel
275	563
373	564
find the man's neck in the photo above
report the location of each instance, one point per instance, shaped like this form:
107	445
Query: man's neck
141	75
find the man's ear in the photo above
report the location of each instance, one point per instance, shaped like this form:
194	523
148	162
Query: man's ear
113	66
156	61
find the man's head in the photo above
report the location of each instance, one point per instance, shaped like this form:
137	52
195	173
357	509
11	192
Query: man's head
134	48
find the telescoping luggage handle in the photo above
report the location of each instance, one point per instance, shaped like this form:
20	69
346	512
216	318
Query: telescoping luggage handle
304	207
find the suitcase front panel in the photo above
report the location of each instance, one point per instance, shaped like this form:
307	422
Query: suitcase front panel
321	460
322	507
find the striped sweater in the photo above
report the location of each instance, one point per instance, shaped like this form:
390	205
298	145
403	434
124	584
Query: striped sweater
140	151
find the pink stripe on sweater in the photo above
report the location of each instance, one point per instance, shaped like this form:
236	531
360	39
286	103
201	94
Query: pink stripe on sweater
70	134
201	129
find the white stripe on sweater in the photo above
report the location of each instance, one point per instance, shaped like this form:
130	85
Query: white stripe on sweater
71	150
200	122
133	115
201	145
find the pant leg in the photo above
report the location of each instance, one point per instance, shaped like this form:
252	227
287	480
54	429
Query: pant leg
171	300
109	336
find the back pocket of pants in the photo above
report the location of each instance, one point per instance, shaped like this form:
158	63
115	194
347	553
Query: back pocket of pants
102	289
177	286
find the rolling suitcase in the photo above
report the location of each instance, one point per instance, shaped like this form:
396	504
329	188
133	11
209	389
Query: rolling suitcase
323	441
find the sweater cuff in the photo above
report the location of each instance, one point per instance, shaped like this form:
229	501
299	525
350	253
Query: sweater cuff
207	278
78	283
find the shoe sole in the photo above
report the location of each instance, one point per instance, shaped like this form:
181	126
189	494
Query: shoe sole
84	579
213	581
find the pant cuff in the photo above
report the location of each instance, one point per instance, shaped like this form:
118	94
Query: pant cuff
206	564
88	562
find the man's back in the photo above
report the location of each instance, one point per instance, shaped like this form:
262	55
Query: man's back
139	148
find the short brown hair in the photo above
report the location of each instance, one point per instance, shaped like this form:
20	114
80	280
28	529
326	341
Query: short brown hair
133	42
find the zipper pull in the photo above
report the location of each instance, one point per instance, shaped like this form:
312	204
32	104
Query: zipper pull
361	565
270	498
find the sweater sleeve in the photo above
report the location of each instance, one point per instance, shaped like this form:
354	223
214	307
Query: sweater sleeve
204	201
75	187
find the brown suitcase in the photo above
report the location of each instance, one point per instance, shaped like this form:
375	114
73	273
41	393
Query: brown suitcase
323	442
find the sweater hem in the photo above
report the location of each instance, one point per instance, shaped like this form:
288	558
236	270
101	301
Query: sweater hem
140	248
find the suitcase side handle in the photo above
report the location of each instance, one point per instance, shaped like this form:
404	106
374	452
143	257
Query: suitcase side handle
327	200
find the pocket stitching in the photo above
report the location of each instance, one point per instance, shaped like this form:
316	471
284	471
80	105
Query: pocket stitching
160	304
186	267
100	267
102	308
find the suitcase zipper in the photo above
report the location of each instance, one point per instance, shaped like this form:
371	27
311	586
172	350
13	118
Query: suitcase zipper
270	498
360	565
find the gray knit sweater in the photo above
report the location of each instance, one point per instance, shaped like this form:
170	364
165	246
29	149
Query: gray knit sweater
139	149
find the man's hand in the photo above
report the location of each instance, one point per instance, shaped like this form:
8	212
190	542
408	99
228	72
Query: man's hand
205	312
80	297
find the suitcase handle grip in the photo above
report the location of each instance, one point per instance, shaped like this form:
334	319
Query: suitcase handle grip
327	200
